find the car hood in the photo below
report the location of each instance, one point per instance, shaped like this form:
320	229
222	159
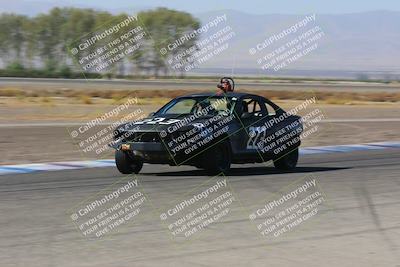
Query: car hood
165	122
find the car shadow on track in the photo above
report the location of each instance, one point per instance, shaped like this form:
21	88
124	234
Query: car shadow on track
249	171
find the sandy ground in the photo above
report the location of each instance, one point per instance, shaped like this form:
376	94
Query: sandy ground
32	110
199	84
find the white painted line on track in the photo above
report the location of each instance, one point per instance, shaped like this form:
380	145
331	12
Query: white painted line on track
73	165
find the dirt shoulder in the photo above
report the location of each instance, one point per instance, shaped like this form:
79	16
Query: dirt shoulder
64	109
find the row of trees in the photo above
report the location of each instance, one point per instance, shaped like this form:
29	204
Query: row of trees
43	41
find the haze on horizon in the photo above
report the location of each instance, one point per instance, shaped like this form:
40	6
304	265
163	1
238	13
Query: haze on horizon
32	7
355	43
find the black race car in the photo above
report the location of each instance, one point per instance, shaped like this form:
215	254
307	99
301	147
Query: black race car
210	131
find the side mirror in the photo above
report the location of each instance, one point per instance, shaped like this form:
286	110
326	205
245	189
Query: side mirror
246	115
151	114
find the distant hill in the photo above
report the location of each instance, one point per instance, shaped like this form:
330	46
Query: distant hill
360	42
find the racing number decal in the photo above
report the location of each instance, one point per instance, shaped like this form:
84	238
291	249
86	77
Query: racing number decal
157	120
256	134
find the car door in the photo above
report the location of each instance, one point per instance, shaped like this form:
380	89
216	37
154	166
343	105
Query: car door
271	125
252	113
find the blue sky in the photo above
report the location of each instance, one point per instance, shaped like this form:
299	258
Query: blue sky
249	6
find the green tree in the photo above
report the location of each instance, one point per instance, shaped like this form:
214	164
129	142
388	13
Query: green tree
164	26
47	38
13	37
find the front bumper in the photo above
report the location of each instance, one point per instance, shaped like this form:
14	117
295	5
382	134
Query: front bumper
146	146
150	152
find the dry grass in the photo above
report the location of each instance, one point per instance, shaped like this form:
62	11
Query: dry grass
85	99
11	92
162	96
155	101
46	100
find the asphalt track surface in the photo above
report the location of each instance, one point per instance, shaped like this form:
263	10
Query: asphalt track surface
47	83
359	227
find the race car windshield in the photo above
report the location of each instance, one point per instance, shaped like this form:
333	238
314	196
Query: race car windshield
195	105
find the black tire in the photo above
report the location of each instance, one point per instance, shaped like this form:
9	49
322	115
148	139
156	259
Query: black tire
288	161
125	164
218	159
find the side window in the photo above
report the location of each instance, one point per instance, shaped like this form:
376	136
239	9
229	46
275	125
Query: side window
252	106
270	110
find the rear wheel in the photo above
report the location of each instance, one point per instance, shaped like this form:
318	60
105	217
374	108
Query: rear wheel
288	161
126	164
217	159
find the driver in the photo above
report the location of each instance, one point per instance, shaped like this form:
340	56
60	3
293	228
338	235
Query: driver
225	86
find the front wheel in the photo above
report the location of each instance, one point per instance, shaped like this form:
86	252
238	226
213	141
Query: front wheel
125	163
288	161
218	159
